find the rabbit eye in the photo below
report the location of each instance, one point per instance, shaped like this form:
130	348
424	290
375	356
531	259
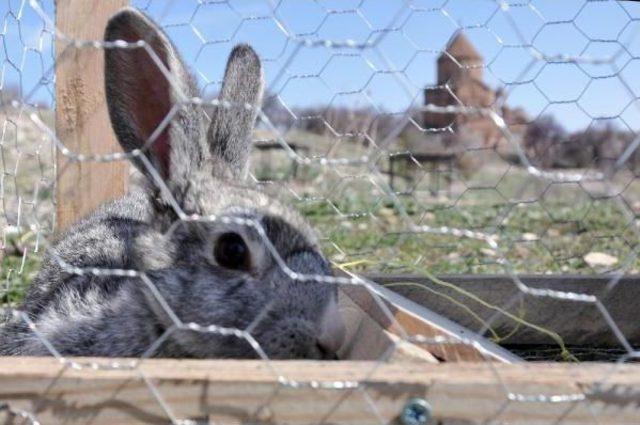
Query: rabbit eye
232	252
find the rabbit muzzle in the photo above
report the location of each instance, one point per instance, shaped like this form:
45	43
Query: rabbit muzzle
332	331
304	320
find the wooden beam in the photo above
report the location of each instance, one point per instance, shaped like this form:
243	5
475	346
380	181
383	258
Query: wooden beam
228	391
580	324
399	318
369	339
82	122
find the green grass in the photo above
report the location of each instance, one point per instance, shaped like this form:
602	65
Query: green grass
550	237
17	274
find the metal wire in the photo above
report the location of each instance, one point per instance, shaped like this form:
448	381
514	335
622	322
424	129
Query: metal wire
407	154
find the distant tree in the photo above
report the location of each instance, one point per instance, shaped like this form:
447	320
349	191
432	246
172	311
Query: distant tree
540	137
599	145
609	143
573	152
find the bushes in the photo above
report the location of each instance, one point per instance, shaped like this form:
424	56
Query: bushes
549	145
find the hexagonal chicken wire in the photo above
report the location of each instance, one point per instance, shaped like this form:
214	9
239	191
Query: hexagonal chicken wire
470	169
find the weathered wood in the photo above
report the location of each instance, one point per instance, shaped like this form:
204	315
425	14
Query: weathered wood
227	391
578	323
404	319
368	339
82	122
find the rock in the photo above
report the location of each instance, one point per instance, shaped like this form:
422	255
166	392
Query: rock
488	252
600	259
529	237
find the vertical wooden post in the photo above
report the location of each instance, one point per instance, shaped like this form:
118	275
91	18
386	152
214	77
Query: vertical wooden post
82	121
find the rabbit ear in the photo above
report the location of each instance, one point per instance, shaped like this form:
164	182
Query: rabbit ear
229	135
144	88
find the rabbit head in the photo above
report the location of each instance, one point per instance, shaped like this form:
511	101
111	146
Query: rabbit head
241	260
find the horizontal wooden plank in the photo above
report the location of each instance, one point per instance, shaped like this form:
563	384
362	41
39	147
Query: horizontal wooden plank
578	323
229	391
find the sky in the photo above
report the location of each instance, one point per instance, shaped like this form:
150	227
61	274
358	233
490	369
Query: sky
570	58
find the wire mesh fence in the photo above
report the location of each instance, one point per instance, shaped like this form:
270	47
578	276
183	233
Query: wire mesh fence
426	143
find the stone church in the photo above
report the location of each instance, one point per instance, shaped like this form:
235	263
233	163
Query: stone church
460	83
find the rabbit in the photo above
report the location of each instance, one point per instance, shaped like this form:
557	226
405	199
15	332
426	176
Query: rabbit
209	272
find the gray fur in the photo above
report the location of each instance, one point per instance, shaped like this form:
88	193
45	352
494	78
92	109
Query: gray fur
107	315
230	130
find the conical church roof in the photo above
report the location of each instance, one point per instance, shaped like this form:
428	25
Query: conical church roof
461	48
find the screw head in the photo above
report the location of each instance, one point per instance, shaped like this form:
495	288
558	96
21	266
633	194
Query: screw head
416	412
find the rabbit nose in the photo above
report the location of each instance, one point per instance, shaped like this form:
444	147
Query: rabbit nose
332	330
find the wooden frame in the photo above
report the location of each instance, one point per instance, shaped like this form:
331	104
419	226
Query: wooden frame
226	391
468	383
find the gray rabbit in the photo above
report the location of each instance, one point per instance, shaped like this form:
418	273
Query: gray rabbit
213	273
